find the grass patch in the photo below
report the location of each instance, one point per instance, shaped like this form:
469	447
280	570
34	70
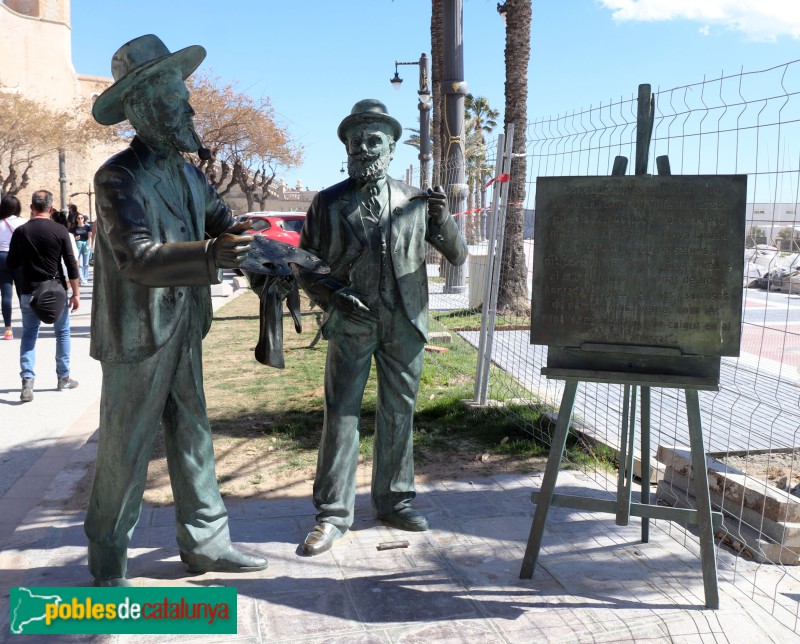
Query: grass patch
249	400
470	319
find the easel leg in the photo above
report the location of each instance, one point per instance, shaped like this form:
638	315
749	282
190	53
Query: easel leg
549	480
645	460
707	555
626	441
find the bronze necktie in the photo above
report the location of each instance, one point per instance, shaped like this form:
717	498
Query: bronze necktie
371	203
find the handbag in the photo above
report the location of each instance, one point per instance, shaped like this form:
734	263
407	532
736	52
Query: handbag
48	300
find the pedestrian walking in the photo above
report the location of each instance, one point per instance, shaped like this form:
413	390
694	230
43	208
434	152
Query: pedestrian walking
37	247
84	238
10	220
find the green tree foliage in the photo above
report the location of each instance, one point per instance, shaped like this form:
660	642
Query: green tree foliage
480	120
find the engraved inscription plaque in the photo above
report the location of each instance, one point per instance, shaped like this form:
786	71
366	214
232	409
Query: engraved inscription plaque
649	261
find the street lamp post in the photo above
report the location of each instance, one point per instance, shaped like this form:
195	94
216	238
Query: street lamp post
424	114
62	178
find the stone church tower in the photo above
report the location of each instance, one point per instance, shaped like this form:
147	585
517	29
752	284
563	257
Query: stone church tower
46	73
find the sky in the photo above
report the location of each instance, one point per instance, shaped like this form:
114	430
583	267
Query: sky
314	59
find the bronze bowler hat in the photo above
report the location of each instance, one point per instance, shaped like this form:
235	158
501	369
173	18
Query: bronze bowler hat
368	109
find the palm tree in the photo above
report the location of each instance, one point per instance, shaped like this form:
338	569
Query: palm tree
483	116
513	293
480	119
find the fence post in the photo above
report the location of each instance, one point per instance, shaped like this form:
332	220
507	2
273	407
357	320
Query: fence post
490	236
493	258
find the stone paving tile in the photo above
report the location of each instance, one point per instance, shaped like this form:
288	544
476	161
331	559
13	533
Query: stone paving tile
477	484
429	486
490	530
483	567
371	637
154	517
479	504
60	575
310	607
357	561
284	529
286	566
459	485
545	624
153	537
517	483
420	595
455	632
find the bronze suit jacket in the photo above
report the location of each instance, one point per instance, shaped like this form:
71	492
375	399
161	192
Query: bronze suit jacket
152	261
334	232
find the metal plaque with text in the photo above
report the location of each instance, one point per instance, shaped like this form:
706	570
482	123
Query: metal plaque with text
652	261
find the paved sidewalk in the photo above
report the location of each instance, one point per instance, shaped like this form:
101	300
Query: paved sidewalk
456	583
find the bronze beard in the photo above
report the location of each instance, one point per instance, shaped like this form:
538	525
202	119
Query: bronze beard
365	169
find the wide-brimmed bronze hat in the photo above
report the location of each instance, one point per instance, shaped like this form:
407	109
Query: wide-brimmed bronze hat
135	61
368	109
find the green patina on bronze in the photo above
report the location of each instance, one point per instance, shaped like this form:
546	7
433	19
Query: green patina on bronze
163	234
372	232
648	261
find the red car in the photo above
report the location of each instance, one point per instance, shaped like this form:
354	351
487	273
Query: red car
281	226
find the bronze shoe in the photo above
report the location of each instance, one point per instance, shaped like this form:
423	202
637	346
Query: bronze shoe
406	519
231	560
320	539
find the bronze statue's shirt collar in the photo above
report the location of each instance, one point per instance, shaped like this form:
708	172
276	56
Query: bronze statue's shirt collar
370	187
172	160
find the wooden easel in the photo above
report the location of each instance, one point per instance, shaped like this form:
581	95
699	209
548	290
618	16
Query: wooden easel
624	507
574	371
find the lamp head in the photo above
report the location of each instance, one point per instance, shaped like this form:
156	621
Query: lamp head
396	81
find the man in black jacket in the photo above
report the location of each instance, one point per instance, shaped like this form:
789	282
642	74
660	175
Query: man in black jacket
37	247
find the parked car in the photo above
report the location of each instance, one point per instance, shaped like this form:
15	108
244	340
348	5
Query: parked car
281	226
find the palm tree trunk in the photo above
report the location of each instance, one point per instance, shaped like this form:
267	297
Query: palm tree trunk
513	294
437	71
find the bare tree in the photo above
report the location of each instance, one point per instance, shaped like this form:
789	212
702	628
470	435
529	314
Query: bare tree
513	293
247	145
30	131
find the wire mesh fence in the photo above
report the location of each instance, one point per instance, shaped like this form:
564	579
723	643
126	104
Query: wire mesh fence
741	123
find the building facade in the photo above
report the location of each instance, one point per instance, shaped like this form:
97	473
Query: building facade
46	73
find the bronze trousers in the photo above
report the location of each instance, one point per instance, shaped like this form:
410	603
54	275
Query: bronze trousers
398	350
164	390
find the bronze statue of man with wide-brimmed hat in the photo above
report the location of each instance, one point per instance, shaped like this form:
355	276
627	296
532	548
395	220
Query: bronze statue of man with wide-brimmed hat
163	234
